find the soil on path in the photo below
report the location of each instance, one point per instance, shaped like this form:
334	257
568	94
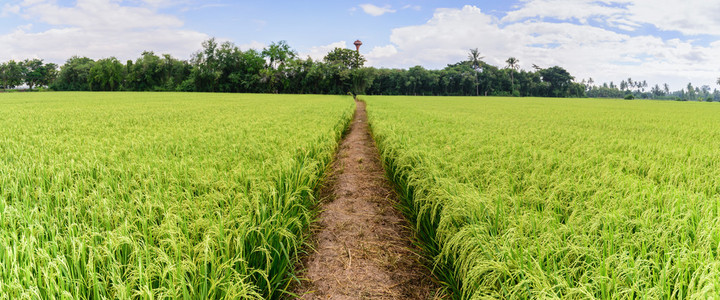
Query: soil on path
363	248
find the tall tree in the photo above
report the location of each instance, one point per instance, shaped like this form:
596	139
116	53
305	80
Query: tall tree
278	56
656	91
347	58
33	72
512	64
74	75
106	75
205	73
690	91
50	73
559	80
349	65
11	74
475	60
146	73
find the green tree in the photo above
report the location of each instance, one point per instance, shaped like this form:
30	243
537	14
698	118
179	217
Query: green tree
11	74
225	68
559	80
50	73
33	72
146	73
475	60
690	92
657	91
278	56
174	71
348	64
512	64
361	79
348	58
206	70
74	75
106	75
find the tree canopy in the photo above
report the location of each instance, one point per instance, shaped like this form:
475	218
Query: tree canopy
224	67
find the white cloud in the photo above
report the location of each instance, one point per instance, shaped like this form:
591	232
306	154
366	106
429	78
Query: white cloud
8	9
583	49
97	29
319	52
102	14
690	17
562	9
413	7
382	51
445	38
379	54
161	3
373	10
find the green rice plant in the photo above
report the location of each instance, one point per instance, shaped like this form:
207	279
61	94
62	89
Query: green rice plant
525	198
159	195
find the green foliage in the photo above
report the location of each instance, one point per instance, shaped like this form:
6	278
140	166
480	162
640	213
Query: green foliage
629	97
559	198
153	73
36	74
74	75
11	74
347	58
277	69
159	196
559	80
106	74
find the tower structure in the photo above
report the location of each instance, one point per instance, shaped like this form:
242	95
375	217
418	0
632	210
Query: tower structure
357	44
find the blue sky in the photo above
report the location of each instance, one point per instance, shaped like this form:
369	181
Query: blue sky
655	40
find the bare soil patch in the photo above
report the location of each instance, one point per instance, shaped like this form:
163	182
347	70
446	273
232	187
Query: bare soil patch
363	246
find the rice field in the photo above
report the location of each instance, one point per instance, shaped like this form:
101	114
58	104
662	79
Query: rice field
159	195
527	198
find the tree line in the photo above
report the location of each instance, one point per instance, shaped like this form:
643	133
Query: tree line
630	89
31	72
223	67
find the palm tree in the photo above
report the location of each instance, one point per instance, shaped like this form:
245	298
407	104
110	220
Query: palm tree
476	60
512	65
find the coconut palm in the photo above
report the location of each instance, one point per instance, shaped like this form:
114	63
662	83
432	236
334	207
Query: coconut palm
512	65
476	60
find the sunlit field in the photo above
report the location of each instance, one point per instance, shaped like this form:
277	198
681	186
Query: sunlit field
159	195
560	198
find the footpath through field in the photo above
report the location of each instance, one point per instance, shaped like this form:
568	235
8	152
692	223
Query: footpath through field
363	248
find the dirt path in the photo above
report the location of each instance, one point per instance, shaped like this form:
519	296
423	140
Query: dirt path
363	248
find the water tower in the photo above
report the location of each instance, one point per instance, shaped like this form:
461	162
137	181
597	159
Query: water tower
357	44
